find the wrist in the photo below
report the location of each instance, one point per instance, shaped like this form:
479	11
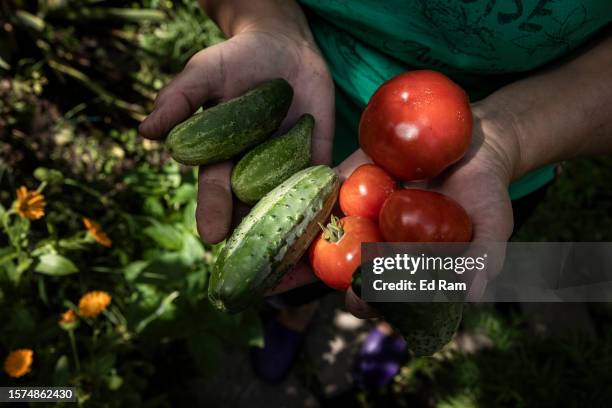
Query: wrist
239	16
500	138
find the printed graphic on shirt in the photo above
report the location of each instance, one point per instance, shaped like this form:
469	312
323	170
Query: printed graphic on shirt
478	36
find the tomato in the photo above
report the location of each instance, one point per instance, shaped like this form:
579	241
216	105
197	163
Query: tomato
416	124
365	191
336	253
412	215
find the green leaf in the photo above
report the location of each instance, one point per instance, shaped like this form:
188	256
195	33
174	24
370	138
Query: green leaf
73	243
184	194
189	217
114	380
7	254
23	264
4	65
193	250
133	270
165	235
50	176
55	265
61	374
42	290
153	206
164	306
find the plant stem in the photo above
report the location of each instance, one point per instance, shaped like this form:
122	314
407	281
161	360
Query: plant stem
70	182
41	187
75	355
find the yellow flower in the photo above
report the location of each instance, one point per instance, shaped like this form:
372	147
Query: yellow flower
19	362
96	232
30	204
93	303
69	320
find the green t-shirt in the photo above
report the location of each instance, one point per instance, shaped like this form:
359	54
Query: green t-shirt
480	44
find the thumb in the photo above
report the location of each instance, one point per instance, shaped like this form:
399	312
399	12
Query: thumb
200	81
346	168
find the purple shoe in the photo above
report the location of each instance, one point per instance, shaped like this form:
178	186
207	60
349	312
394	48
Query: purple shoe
380	358
281	345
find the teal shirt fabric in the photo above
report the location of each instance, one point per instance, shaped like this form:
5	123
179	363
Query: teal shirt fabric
481	44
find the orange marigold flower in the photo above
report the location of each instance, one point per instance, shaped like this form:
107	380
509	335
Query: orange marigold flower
93	303
69	320
19	362
30	204
95	230
68	316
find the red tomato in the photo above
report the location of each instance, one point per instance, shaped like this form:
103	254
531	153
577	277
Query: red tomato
336	253
412	215
416	124
365	191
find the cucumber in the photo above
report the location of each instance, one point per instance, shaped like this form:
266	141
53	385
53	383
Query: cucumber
232	127
272	162
272	238
427	327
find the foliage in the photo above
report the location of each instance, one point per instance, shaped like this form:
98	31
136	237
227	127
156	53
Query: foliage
78	75
156	272
515	368
576	207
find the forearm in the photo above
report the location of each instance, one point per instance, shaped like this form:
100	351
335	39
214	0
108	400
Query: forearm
235	16
561	113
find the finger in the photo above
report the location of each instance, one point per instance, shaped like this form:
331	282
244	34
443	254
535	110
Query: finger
346	168
358	307
201	80
214	210
492	229
300	275
493	253
239	212
319	101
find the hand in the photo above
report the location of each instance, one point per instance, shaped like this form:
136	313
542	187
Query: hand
479	182
260	51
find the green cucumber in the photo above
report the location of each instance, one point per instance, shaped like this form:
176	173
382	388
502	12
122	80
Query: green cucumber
272	162
230	128
272	238
427	327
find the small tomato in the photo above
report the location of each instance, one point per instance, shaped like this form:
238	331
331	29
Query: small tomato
365	191
413	215
336	253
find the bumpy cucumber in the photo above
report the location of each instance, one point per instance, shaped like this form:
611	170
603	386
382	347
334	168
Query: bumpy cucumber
272	162
272	238
427	327
232	127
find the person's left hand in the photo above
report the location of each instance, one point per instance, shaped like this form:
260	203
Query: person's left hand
479	182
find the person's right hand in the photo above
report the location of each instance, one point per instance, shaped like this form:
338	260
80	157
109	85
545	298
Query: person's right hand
260	51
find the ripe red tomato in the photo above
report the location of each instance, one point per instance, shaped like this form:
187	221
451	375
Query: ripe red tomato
413	215
365	191
336	253
416	124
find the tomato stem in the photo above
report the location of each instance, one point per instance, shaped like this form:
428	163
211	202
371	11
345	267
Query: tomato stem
333	232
